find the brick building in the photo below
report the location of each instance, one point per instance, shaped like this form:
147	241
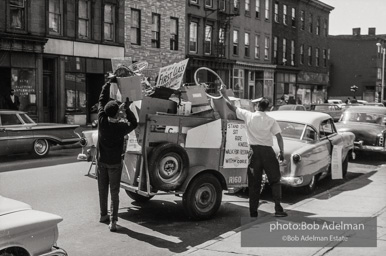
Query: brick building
55	54
155	32
356	60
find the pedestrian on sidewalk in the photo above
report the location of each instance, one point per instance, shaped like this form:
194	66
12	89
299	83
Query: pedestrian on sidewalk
260	128
113	126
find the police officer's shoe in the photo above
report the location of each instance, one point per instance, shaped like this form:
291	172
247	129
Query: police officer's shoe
104	219
253	214
281	214
113	226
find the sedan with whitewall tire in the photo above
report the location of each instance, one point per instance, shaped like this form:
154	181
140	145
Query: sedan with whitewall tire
309	138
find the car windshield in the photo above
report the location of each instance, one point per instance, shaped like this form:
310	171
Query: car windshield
327	107
371	118
286	107
291	130
26	119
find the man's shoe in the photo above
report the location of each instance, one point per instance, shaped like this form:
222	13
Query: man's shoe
113	226
104	219
253	214
281	214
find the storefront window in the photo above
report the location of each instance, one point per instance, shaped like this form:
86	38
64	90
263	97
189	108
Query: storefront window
75	93
23	82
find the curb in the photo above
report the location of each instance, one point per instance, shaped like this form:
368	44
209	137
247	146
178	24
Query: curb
288	209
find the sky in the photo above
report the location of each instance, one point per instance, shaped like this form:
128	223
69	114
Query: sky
364	14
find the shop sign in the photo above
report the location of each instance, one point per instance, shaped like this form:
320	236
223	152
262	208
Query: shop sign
236	147
171	76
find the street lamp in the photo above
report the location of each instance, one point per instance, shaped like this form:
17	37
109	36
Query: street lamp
382	50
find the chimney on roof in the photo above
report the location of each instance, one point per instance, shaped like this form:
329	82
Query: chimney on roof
356	31
371	31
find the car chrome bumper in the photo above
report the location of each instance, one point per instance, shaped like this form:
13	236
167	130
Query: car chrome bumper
358	145
55	251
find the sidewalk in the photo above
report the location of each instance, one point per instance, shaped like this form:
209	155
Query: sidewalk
364	196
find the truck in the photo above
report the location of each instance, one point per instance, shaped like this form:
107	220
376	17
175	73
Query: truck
193	156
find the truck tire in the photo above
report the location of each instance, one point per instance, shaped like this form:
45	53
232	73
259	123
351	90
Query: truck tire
168	166
203	197
137	197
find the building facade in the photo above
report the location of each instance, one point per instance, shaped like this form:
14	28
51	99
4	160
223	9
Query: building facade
155	32
55	54
357	60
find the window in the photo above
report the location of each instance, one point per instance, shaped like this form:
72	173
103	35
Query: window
174	34
208	39
266	48
379	73
238	83
292	53
284	60
221	42
302	54
208	3
317	57
236	6
275	50
9	119
324	58
155	30
267	9
75	88
257	46
193	37
235	42
17	13
293	17
194	1
84	14
309	56
135	36
246	44
302	20
284	14
327	128
257	9
222	5
276	16
247	7
325	28
318	26
55	17
310	24
109	22
310	134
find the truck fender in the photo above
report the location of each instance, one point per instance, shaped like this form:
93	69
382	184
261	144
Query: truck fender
200	169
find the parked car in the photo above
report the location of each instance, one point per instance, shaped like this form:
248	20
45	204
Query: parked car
332	109
308	141
24	231
340	103
289	107
20	134
368	123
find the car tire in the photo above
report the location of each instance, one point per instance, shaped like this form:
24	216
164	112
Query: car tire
41	147
137	197
203	197
168	166
310	188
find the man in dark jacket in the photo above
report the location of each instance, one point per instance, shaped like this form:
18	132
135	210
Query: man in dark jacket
13	100
111	132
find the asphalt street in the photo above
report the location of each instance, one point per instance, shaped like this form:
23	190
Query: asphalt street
58	184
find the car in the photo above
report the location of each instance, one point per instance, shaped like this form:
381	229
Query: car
334	110
340	103
363	102
289	107
368	123
309	138
24	231
20	134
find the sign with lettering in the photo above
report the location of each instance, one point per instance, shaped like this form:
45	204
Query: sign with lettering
171	76
236	146
336	162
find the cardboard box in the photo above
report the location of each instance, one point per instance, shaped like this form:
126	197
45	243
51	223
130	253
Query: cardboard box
151	105
195	94
185	108
130	87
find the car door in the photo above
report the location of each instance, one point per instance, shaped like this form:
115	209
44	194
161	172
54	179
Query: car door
329	133
17	133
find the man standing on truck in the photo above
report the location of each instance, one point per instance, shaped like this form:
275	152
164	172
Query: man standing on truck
260	129
112	129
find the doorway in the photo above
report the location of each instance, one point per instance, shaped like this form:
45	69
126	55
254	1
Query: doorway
5	86
49	98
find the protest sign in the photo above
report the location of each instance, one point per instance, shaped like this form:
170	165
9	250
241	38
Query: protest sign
236	147
171	76
336	162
